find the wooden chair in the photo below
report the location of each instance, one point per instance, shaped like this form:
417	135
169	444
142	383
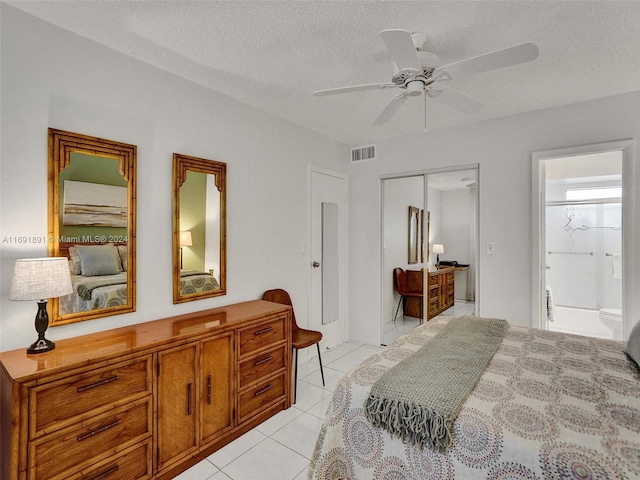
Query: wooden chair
400	278
301	338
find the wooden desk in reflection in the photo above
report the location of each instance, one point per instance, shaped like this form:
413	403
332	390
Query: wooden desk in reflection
439	294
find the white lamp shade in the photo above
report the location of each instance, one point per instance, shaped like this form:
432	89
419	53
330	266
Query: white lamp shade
185	238
438	248
40	279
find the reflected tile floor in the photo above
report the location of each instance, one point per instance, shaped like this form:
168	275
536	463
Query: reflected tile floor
281	447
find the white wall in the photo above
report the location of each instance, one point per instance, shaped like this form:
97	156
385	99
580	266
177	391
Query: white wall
52	78
434	205
399	194
503	148
458	222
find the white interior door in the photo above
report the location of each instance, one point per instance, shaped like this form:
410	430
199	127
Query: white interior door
328	297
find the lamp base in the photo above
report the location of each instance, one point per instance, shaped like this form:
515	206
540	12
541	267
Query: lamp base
42	322
41	345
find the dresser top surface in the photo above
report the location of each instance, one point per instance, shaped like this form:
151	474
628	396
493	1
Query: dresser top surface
111	344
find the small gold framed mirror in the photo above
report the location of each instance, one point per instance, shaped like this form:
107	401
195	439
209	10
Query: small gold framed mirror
199	228
413	234
92	222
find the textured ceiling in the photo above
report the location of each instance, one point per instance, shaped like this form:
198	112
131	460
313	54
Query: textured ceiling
274	54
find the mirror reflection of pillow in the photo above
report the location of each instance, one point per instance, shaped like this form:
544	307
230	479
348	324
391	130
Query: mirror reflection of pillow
97	260
75	260
122	253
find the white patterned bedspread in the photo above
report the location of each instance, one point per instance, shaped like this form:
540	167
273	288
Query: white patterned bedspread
101	297
192	281
549	406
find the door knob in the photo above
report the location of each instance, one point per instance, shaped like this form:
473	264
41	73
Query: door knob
315	264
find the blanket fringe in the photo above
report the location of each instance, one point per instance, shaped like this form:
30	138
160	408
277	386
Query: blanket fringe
412	423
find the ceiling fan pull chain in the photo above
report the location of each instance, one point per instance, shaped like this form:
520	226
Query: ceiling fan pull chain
425	112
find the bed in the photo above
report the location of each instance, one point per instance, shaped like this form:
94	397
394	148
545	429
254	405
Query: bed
548	406
95	292
98	276
194	281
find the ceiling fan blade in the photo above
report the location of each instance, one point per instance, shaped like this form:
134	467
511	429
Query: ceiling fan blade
390	110
525	52
353	88
456	99
403	52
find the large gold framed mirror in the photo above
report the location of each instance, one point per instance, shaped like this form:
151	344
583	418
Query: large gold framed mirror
199	228
92	222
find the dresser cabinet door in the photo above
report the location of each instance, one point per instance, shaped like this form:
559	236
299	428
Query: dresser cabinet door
216	399
177	403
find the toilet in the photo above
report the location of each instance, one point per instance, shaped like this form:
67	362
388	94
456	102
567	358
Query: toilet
612	319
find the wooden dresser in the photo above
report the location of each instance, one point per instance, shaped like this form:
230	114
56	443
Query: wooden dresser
144	401
439	293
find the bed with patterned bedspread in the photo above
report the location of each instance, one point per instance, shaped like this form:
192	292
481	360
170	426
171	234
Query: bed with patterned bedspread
548	406
91	293
194	281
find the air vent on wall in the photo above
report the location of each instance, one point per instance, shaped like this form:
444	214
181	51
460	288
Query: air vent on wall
360	154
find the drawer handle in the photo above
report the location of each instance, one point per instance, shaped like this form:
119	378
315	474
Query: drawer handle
268	359
106	473
209	389
189	399
98	430
263	390
264	330
98	384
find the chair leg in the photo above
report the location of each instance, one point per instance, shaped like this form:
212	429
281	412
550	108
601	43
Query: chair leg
295	377
397	309
320	361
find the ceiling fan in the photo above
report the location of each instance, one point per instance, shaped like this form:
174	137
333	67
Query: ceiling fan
416	72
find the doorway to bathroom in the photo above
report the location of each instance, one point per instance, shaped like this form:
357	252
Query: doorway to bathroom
582	255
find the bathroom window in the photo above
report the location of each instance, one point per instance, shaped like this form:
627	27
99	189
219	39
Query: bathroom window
593	193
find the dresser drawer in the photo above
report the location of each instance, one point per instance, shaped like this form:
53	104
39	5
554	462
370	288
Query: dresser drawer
132	464
78	446
55	405
262	365
257	398
262	336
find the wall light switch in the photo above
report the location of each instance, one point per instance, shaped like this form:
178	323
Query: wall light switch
490	246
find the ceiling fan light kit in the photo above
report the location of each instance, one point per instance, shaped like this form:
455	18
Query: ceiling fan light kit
417	72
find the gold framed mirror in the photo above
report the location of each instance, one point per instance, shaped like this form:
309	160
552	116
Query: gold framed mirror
414	234
92	222
199	228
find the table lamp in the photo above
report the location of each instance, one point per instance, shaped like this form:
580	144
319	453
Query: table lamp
40	279
185	241
438	248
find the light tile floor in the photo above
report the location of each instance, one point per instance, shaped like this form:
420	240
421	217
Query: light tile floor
402	325
281	447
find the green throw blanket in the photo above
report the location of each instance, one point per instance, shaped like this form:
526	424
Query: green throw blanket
419	398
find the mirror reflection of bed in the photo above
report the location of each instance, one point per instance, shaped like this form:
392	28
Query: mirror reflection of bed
98	275
92	212
199	228
194	281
